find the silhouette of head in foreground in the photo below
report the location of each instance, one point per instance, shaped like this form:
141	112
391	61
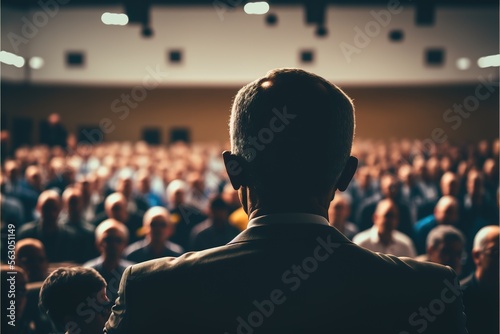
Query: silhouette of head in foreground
291	136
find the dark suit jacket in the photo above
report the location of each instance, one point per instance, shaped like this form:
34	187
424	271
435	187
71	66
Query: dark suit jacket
288	278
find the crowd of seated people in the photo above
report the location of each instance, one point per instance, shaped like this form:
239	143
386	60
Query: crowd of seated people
113	204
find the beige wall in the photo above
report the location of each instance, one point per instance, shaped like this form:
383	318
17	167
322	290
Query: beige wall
383	112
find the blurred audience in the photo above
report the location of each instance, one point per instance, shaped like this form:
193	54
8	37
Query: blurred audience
446	212
383	236
185	216
402	186
111	237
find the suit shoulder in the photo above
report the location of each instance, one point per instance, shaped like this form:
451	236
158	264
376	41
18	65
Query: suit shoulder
385	263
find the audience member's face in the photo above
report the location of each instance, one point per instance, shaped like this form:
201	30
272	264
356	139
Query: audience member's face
474	183
389	187
101	315
160	229
85	187
487	259
448	254
144	184
12	170
49	211
449	185
34	261
385	218
447	213
113	243
364	178
34	178
74	204
125	187
178	197
119	211
338	211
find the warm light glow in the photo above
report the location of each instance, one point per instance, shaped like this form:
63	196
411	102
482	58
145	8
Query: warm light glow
36	62
257	8
489	61
11	59
114	19
463	63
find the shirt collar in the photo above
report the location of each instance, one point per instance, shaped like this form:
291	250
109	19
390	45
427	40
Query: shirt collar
287	218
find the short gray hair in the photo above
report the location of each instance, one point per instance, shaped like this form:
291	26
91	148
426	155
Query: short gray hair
310	151
444	233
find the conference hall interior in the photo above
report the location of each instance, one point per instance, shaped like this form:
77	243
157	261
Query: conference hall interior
115	114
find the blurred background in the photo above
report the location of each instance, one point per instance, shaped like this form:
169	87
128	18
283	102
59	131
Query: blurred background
165	70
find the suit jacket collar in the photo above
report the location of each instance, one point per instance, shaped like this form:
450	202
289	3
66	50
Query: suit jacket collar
289	231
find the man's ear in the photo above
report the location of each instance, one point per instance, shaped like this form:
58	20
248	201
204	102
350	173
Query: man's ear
347	173
236	168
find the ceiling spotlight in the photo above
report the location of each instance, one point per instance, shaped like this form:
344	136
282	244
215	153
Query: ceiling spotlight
36	62
463	63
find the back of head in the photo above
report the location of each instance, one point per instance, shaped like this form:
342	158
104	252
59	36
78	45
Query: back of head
65	295
295	131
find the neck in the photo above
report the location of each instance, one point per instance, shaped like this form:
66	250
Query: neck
256	206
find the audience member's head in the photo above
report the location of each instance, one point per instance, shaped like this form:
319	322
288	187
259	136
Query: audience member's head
12	171
125	185
49	207
73	202
54	119
219	210
34	177
176	191
490	169
339	211
386	217
291	134
446	210
115	206
449	184
30	255
157	224
143	182
75	300
389	187
86	185
111	237
406	175
475	183
485	255
445	245
433	169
